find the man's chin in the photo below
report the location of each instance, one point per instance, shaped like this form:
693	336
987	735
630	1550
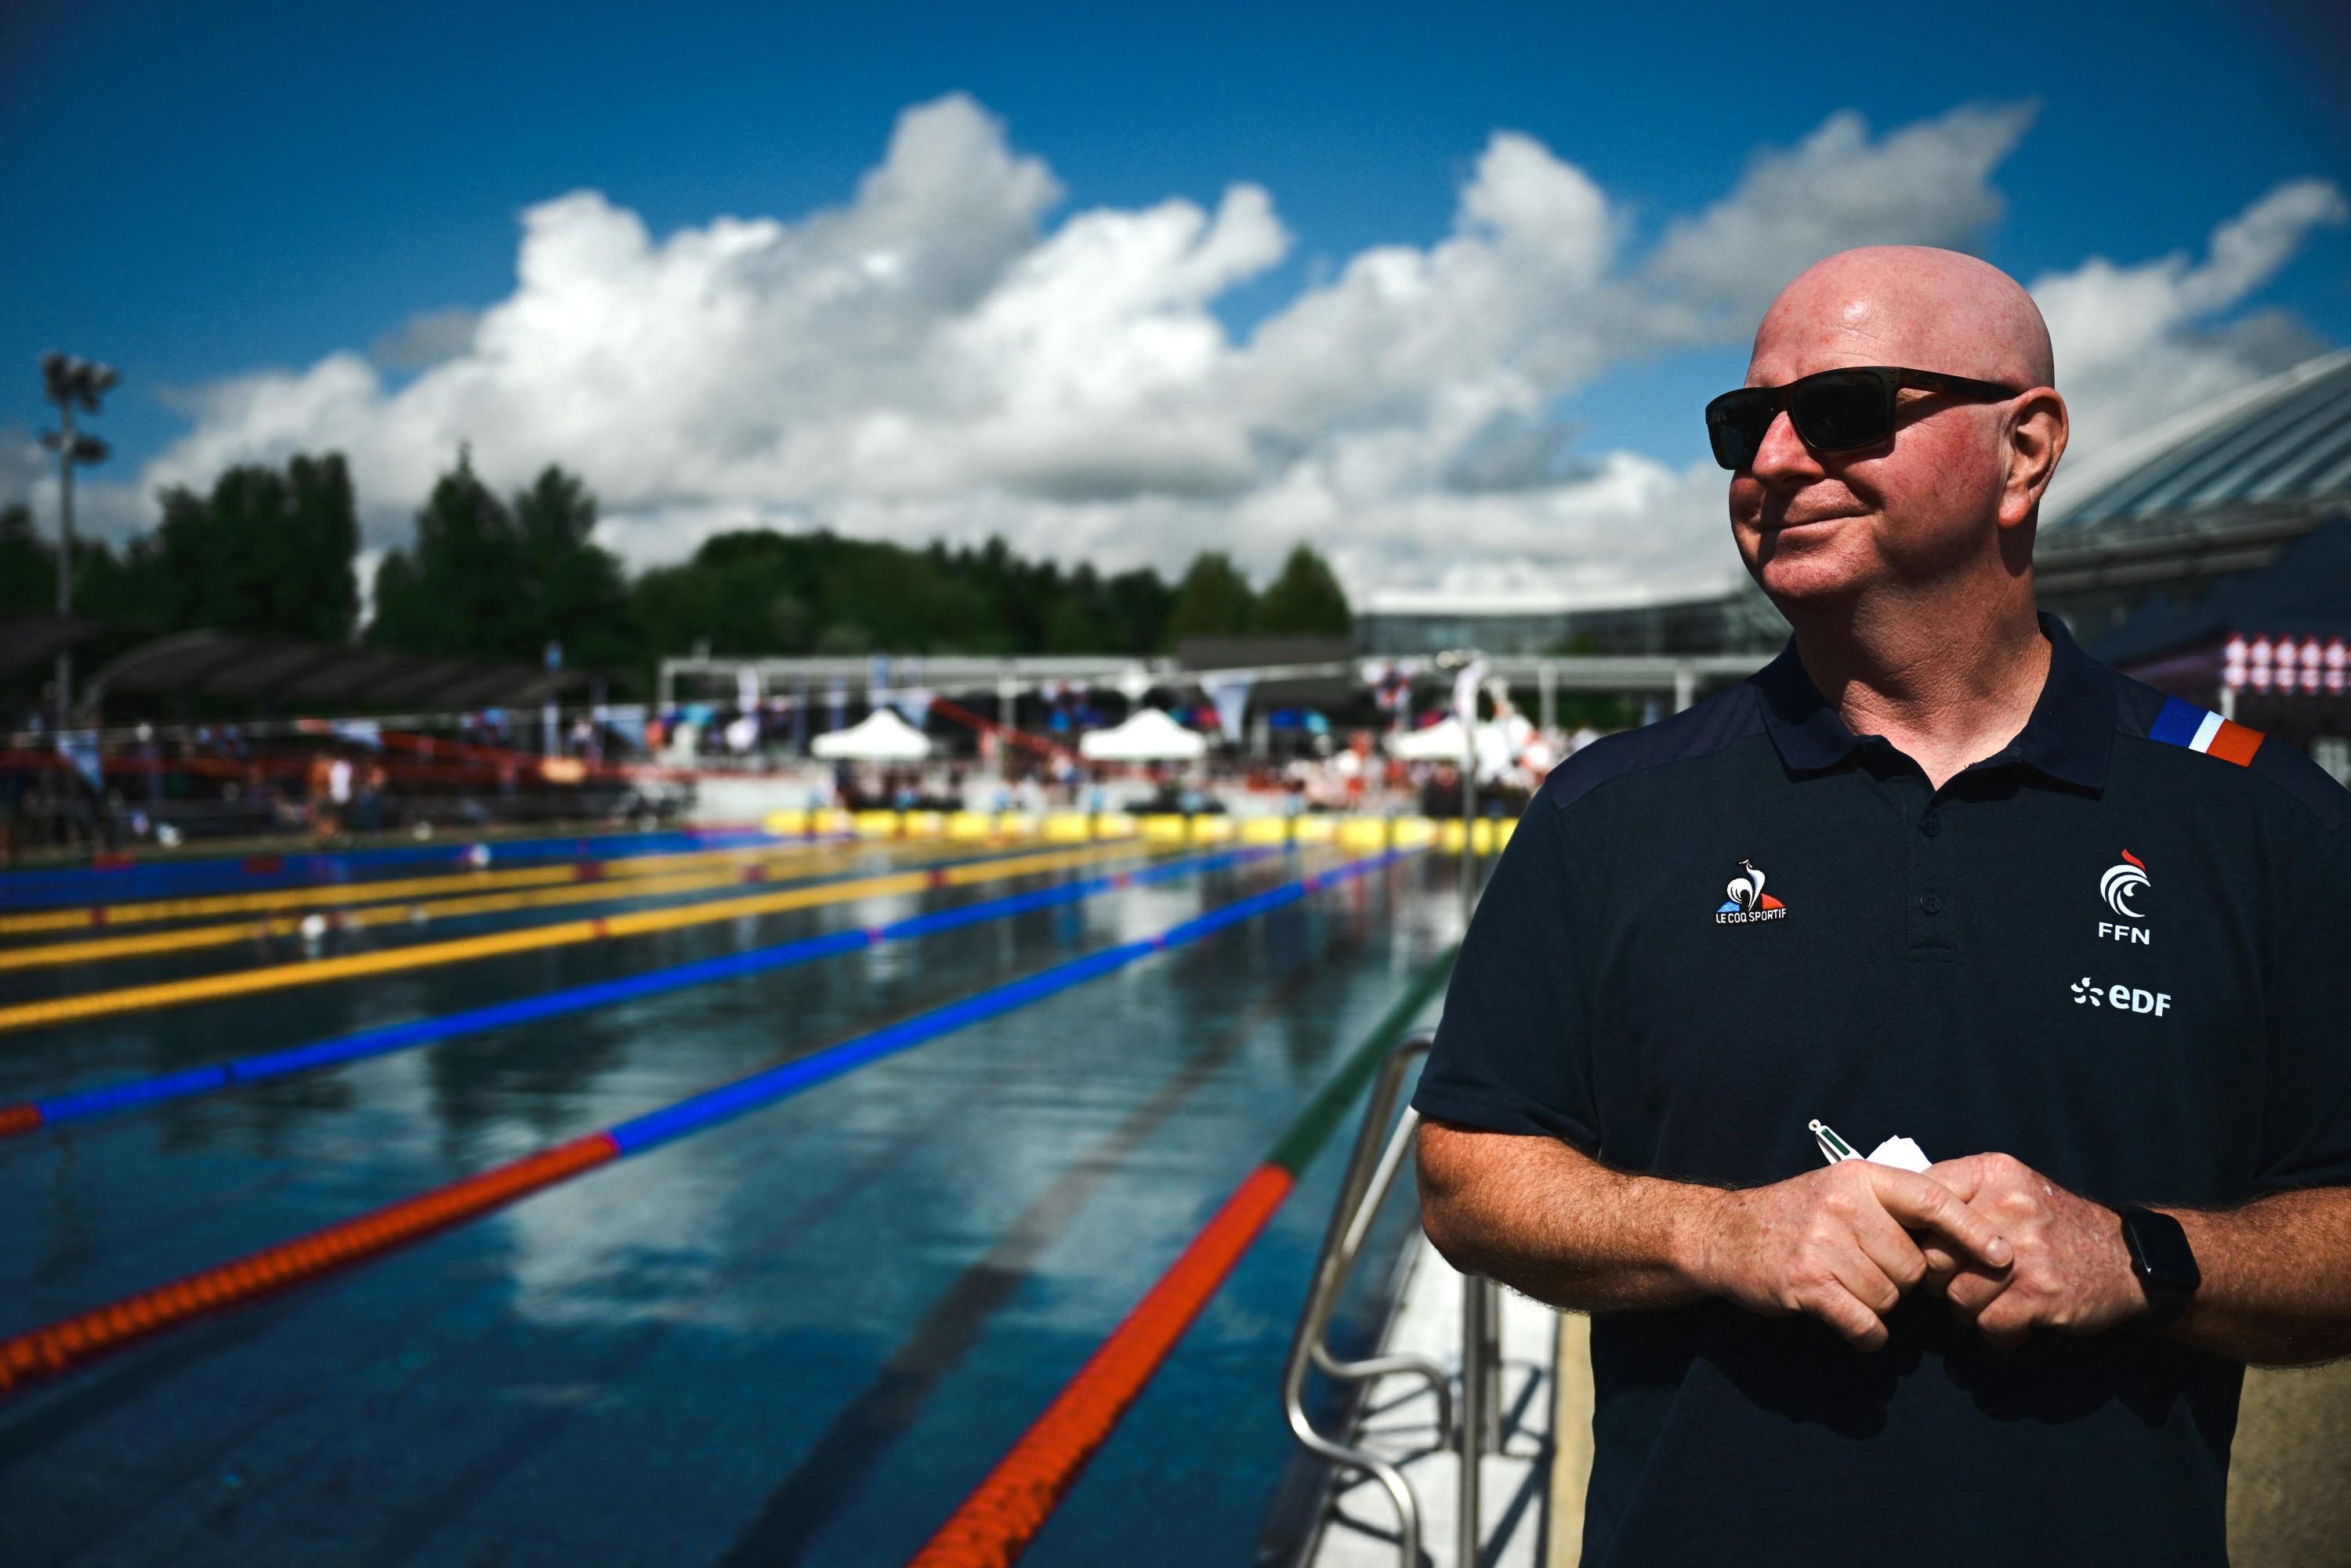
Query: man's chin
1807	576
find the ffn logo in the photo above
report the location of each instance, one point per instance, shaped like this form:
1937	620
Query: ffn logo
2117	888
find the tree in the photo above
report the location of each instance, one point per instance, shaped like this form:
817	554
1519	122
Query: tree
759	591
265	553
572	590
491	580
107	586
29	566
1139	603
451	592
1306	598
1213	600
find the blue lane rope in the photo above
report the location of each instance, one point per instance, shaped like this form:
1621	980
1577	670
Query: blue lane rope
60	1346
762	1089
105	1100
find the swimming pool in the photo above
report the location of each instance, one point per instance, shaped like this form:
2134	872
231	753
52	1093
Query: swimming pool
801	1335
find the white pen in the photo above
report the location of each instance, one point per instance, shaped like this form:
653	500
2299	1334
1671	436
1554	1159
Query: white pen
1832	1148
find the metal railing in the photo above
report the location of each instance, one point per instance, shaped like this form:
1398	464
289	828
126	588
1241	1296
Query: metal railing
1379	1152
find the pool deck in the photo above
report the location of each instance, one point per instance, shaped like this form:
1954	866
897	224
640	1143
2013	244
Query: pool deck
1399	1423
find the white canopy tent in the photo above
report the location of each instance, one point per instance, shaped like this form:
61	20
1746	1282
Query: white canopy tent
1500	744
1148	735
880	736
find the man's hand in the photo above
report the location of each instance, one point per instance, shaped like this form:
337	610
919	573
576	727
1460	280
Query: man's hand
2071	1271
1836	1243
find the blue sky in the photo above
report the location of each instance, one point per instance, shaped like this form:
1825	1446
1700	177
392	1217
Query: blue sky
197	194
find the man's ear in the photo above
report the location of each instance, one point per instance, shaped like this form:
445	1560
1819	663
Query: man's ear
2036	433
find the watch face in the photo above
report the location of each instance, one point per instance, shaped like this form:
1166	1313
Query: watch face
2159	1250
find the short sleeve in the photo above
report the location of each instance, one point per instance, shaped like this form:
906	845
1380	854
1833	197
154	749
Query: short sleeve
2307	1105
1511	1050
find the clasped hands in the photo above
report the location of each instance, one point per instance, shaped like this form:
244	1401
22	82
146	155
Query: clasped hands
2010	1249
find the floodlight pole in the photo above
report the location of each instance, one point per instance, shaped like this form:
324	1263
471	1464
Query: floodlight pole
68	382
65	557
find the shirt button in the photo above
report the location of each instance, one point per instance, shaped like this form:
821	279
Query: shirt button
1931	904
1930	825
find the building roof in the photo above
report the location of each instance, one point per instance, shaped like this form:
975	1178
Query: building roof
2306	592
1477	604
2281	443
222	664
29	640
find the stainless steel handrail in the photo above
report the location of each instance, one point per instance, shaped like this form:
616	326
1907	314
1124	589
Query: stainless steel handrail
1372	1169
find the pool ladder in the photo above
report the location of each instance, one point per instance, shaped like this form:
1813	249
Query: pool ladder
1378	1154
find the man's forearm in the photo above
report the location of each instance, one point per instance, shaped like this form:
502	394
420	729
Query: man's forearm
1559	1225
2277	1279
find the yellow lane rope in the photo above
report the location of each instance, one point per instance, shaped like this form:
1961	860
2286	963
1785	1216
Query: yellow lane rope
83	917
575	890
279	977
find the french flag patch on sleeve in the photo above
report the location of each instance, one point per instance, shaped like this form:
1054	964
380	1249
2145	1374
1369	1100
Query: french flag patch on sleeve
2200	729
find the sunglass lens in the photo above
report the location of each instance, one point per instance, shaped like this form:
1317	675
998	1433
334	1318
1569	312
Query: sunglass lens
1837	413
1735	423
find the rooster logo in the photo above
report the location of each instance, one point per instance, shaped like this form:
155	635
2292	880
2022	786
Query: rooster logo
2121	881
1744	899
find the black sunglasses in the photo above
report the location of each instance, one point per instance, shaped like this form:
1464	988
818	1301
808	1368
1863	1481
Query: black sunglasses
1834	411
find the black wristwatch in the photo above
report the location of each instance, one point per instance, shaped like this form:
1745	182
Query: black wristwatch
2164	1262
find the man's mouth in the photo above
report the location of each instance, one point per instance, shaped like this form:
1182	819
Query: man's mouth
1785	525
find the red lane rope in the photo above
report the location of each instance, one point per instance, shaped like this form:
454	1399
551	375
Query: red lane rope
995	1525
46	1351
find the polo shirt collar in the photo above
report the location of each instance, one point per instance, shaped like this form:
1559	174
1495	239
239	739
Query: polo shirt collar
2068	737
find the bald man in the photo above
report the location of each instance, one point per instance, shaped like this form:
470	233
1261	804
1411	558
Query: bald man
1932	875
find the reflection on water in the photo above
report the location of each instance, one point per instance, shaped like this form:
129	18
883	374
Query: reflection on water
801	1335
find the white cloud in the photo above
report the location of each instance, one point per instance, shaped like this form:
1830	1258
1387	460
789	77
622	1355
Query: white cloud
427	338
1928	183
22	463
2136	344
941	357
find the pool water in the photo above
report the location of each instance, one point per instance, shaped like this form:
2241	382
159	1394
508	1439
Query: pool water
800	1336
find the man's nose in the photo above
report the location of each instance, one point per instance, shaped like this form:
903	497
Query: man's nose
1782	458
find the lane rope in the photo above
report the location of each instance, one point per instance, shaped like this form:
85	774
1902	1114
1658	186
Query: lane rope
996	1524
589	882
72	1341
106	1100
122	879
100	916
529	938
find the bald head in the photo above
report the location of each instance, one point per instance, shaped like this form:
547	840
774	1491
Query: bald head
1940	510
1913	304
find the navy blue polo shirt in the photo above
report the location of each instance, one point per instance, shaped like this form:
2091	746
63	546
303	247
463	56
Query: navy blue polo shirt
2116	950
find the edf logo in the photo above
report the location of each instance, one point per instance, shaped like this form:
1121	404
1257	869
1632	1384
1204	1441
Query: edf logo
2122	999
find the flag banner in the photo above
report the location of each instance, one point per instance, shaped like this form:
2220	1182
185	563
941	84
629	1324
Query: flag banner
628	723
79	746
1230	693
1465	691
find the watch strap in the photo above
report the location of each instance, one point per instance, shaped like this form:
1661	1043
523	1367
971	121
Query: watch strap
2162	1260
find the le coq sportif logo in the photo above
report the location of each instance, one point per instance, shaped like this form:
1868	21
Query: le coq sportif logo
1744	900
